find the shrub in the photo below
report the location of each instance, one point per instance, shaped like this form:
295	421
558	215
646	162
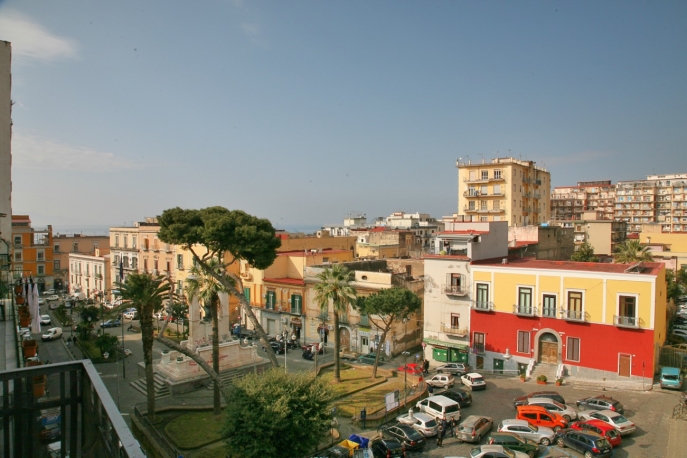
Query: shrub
542	378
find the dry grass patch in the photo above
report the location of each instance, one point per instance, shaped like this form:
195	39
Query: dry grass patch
371	399
352	380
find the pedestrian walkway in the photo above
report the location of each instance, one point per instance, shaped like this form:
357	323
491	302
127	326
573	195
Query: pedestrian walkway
609	385
8	336
676	439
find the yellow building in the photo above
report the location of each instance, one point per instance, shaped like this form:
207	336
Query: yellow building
589	320
669	248
505	189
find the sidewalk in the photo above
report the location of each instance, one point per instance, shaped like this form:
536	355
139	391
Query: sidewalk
676	439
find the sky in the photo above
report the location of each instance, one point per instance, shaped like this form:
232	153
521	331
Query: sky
304	112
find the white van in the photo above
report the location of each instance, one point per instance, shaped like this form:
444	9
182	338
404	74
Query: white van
440	406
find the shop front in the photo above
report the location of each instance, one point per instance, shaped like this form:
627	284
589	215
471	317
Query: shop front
447	352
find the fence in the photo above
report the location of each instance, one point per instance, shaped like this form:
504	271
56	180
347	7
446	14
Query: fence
160	439
673	357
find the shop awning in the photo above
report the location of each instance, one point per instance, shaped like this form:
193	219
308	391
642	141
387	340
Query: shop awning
441	343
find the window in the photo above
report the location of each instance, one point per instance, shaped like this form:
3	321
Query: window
41	270
75	247
40	255
169	267
57	248
471	205
125	262
126	241
364	320
296	304
116	240
455	320
485	174
270	300
472	191
155	265
574	305
180	261
496	205
133	241
484	190
627	306
524	300
482	296
56	264
478	342
573	349
246	294
17	256
483	218
456	283
483	205
497	174
523	342
497	189
134	263
549	306
17	240
145	265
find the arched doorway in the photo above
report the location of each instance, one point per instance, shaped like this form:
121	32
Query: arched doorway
548	348
345	337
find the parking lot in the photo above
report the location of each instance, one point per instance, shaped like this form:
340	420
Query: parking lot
649	410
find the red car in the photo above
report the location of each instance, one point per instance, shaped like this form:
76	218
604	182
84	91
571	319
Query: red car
601	427
412	369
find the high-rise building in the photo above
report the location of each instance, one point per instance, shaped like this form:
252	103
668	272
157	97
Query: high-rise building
505	189
659	199
569	202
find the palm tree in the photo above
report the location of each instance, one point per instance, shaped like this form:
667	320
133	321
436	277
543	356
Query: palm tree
146	293
207	288
632	251
334	286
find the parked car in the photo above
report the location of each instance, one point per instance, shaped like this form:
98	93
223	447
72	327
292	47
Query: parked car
567	412
539	416
48	292
474	427
474	381
278	347
522	400
53	306
613	418
680	332
495	451
426	424
462	397
41	301
131	315
514	442
539	434
441	381
600	403
54	297
671	377
45	319
411	368
111	324
387	448
439	407
454	368
52	334
370	358
600	427
588	443
406	435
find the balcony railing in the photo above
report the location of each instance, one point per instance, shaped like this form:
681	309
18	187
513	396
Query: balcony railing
626	321
524	310
480	306
478	349
462	332
572	315
89	420
455	290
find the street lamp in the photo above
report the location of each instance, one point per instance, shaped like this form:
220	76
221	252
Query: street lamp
405	376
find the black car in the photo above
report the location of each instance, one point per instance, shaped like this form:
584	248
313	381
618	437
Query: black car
278	347
462	397
514	442
406	435
384	448
522	400
111	324
600	403
585	442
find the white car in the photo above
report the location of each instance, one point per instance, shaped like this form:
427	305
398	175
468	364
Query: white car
49	291
441	381
618	421
52	334
474	381
45	319
495	450
54	297
131	315
41	301
539	434
426	424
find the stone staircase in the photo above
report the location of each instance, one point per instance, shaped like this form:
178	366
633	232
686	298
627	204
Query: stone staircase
544	369
227	378
161	388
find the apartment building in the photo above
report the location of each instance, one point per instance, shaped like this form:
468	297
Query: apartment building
659	199
32	252
66	244
90	274
449	295
602	234
421	224
588	320
568	203
381	243
5	160
505	189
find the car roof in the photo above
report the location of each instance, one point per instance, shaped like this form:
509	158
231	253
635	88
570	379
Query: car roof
491	448
607	412
474	374
472	419
597	423
541	400
513	422
586	433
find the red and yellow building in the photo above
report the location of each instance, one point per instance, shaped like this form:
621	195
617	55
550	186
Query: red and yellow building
32	252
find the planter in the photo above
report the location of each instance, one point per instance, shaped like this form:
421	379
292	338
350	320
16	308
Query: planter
30	347
23	309
20	300
34	363
18	289
39	386
540	383
523	379
25	321
559	383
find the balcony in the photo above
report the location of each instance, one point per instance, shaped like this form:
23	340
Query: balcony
455	290
90	422
484	179
478	349
626	321
480	306
460	332
573	315
524	310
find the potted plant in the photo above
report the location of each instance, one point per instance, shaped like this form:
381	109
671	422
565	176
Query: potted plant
30	347
523	377
541	380
559	381
39	386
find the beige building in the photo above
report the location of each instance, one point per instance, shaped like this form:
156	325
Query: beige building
383	243
669	248
505	189
90	274
602	234
66	244
5	160
569	202
659	199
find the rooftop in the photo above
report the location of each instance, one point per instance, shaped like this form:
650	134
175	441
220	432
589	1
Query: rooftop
647	268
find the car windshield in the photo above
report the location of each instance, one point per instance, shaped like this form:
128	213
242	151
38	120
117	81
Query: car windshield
612	433
534	428
602	443
559	405
670	377
619	419
477	380
475	452
431	424
412	434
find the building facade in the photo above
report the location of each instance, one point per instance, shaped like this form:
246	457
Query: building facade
66	244
32	252
659	199
505	189
5	161
90	274
590	320
568	203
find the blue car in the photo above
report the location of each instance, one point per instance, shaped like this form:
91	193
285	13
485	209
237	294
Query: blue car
111	324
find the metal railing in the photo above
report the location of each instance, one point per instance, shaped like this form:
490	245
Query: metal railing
455	290
160	438
572	315
626	321
482	306
524	310
447	329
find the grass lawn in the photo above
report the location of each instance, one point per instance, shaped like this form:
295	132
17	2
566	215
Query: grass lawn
194	429
371	399
352	379
215	452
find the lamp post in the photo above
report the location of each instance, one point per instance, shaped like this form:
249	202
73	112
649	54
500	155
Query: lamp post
121	322
405	376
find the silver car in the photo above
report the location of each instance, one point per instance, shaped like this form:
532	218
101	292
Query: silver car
565	411
539	434
454	369
474	427
426	424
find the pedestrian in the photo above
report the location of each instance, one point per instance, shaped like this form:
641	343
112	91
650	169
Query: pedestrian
425	366
440	436
453	427
444	424
69	341
74	339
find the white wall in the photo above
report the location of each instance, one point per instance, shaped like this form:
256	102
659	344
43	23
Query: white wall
5	145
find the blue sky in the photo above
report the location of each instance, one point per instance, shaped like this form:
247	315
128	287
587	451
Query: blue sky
302	112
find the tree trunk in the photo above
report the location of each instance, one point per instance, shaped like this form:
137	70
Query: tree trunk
215	352
147	341
337	361
379	348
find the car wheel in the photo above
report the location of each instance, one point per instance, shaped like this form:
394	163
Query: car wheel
567	418
560	442
530	453
556	429
582	407
545	442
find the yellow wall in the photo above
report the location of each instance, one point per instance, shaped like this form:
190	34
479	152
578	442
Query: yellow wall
505	290
643	292
481	276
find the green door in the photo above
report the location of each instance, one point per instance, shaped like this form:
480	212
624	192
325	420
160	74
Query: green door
498	366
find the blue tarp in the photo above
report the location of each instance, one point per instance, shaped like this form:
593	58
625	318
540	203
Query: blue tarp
363	441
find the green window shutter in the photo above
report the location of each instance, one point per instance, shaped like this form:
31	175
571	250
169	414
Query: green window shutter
246	293
440	354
